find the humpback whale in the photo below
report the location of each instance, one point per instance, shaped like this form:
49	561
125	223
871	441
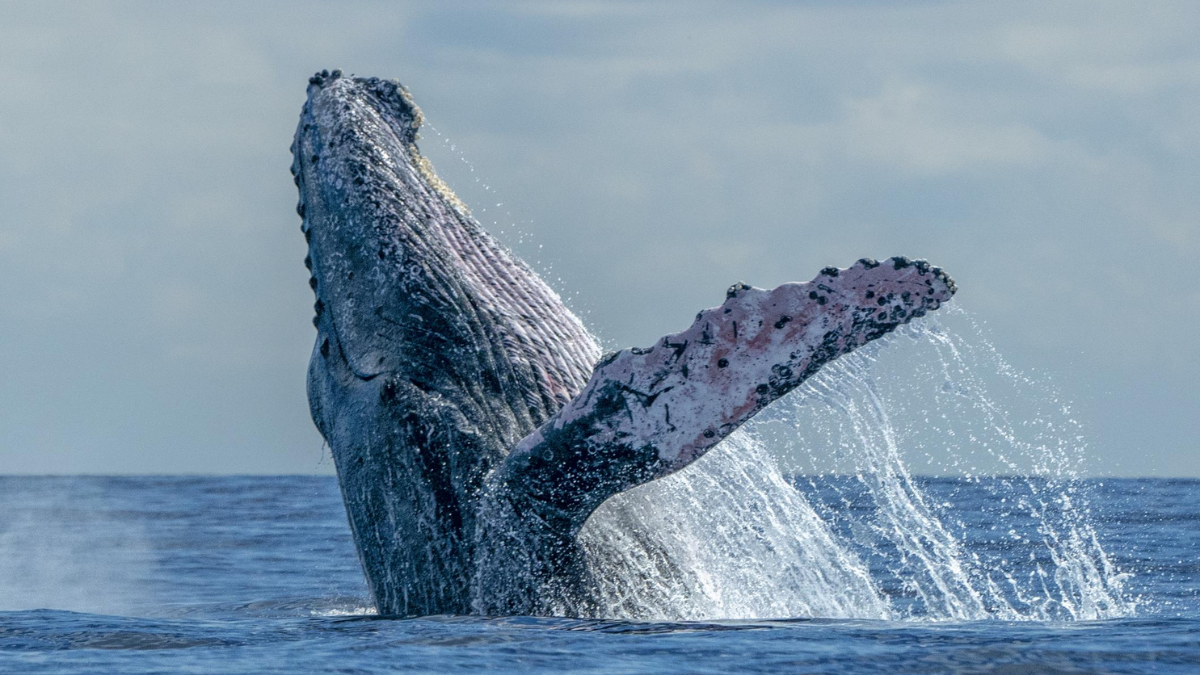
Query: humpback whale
473	421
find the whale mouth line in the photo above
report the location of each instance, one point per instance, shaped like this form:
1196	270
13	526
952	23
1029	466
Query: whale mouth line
336	346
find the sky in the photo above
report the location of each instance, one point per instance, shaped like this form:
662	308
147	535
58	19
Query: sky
155	313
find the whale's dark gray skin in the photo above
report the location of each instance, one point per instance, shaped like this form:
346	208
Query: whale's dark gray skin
472	421
436	349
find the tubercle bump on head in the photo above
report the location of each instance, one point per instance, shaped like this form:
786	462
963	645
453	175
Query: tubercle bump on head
398	100
325	75
392	96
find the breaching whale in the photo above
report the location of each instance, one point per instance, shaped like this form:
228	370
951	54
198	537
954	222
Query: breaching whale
473	421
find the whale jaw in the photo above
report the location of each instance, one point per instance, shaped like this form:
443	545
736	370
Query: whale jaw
473	424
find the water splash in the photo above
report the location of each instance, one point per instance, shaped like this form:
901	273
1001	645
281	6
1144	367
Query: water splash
73	552
727	537
862	535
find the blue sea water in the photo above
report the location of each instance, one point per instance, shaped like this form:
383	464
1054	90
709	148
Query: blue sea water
259	575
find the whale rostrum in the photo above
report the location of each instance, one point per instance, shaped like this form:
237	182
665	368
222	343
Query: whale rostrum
471	418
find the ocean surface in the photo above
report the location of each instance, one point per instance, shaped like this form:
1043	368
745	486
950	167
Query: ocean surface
259	575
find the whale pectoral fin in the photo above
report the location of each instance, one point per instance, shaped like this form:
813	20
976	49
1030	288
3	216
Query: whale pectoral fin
646	413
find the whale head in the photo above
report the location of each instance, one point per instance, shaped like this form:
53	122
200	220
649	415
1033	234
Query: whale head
436	350
406	282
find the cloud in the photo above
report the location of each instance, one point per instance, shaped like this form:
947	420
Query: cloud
907	126
150	255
